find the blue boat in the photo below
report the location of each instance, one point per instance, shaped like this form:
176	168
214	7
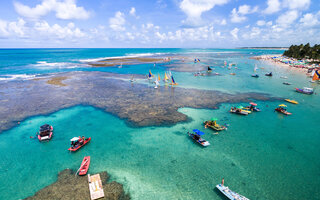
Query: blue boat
196	136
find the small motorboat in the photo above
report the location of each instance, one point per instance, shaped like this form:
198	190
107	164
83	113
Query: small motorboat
45	132
196	136
305	90
229	193
284	77
78	142
286	83
291	101
282	109
252	107
238	111
213	124
84	167
232	73
255	75
269	74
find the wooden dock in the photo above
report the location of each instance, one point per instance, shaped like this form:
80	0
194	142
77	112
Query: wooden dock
95	187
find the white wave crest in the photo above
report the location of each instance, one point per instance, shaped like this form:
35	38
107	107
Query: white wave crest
11	77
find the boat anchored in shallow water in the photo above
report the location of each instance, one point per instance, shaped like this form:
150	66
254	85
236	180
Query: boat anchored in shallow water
229	193
78	142
213	124
305	90
282	109
196	136
45	132
84	167
291	101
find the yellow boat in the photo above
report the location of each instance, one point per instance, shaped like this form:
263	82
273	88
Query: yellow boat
291	101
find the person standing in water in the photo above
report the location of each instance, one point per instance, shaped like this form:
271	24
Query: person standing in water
222	182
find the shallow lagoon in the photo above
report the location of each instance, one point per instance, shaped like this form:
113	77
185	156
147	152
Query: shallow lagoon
262	156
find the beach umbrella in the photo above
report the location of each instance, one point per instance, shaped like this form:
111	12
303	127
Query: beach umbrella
240	107
254	104
282	105
214	119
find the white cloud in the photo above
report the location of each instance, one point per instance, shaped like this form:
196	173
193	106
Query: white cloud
261	23
287	18
15	28
238	16
66	9
117	22
297	4
133	11
194	8
57	31
309	20
69	10
234	33
273	7
223	22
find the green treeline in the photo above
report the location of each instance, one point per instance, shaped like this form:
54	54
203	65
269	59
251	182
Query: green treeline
303	51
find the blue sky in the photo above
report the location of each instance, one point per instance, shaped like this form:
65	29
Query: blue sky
158	23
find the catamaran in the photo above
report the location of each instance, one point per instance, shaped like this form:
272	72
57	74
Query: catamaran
150	76
173	82
165	79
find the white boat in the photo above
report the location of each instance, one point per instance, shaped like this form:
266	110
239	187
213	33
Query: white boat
284	77
229	193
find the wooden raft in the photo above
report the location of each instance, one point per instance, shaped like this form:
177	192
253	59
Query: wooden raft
95	187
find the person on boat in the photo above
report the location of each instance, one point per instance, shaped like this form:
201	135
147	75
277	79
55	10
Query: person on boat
196	137
222	182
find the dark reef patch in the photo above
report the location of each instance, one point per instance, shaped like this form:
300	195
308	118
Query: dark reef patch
69	186
139	104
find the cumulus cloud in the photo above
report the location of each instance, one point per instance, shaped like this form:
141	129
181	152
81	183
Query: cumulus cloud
194	9
287	18
223	22
309	20
234	33
57	31
117	22
296	4
66	9
273	7
238	16
15	28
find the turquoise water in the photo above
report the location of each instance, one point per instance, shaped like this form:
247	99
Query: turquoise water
262	156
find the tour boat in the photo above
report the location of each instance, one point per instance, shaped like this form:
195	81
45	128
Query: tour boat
45	132
78	142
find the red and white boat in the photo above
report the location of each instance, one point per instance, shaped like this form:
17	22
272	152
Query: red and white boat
84	167
78	142
45	132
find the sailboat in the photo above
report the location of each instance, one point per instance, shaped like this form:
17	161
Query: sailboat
173	82
159	79
132	79
157	84
150	76
120	66
315	76
165	79
255	68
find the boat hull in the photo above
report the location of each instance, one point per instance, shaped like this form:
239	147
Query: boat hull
84	167
79	146
229	193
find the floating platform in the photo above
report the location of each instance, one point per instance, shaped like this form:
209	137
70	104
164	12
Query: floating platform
95	187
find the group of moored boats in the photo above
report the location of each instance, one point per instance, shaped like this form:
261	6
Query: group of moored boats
46	133
157	80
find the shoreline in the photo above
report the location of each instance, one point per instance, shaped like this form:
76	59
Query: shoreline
289	63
